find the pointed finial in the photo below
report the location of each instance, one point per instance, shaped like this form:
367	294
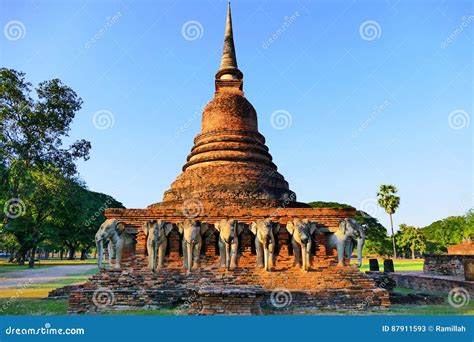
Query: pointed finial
228	69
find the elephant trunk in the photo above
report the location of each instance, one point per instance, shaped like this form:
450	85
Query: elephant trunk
360	246
100	251
265	257
227	255
155	251
189	248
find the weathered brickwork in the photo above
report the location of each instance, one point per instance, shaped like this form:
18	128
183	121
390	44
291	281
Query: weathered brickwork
465	248
136	287
428	283
445	264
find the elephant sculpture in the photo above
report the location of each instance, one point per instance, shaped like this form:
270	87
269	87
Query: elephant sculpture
301	232
344	239
113	232
157	239
192	232
229	231
265	231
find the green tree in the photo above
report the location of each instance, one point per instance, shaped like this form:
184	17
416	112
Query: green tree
449	231
411	240
32	130
377	241
390	202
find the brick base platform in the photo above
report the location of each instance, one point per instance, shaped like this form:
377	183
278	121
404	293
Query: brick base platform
211	290
418	280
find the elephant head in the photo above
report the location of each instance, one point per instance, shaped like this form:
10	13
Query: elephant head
229	231
265	231
192	232
110	231
354	232
301	232
156	233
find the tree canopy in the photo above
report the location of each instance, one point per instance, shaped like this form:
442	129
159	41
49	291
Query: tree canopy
45	203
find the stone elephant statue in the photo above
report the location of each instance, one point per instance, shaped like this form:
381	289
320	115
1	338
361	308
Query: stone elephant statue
229	231
344	239
156	232
265	231
113	232
192	232
301	232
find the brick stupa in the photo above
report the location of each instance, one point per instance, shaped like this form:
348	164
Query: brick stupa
229	162
229	174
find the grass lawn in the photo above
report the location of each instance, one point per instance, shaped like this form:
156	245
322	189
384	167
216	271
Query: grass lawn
399	264
5	265
37	291
34	306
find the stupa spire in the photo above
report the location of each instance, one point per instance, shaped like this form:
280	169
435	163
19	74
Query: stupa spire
228	69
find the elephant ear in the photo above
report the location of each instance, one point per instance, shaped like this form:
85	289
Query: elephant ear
312	227
253	228
240	227
275	227
290	227
342	226
217	225
146	228
168	228
120	227
180	227
204	227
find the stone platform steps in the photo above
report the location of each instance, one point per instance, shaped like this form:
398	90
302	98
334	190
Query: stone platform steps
288	289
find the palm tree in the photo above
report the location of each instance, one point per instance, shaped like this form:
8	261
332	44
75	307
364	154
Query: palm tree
390	202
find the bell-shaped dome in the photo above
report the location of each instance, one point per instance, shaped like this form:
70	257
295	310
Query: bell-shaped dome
229	110
229	163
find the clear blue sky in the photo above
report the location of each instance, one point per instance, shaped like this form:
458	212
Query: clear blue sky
369	86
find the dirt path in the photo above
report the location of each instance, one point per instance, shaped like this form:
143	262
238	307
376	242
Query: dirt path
41	275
